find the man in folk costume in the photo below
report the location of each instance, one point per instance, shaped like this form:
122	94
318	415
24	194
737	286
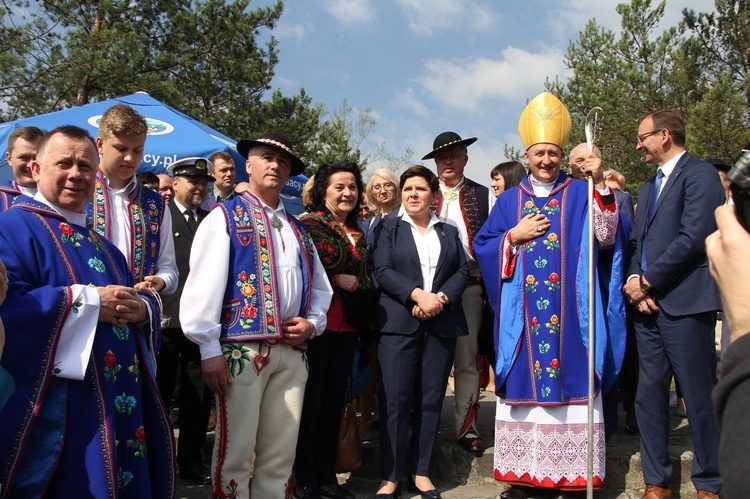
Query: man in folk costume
86	419
21	152
468	204
256	292
533	252
129	215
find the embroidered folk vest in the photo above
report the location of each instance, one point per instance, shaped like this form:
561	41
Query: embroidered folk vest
251	310
145	213
475	207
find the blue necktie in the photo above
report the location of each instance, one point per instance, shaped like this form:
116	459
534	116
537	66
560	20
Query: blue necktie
651	206
655	193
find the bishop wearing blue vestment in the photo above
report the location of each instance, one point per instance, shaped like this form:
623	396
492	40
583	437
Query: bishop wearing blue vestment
533	253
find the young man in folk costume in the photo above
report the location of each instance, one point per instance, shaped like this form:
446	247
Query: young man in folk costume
533	252
86	419
256	292
132	217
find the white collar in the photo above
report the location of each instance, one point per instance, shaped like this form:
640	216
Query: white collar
70	216
128	188
455	187
668	167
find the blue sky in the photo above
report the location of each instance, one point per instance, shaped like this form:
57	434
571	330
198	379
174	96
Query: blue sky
427	66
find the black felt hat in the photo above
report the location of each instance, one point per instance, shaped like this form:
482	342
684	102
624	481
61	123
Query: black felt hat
274	139
719	164
447	139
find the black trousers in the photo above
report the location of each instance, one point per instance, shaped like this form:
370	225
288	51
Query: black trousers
178	356
330	358
414	372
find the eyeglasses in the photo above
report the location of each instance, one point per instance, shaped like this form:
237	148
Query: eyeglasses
646	135
444	159
388	186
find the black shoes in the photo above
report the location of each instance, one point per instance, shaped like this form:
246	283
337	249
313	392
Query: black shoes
424	494
396	494
515	493
305	493
200	474
471	442
330	491
335	491
430	494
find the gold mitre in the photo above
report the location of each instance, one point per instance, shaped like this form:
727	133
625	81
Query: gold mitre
545	119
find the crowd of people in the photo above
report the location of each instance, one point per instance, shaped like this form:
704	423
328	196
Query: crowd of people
125	297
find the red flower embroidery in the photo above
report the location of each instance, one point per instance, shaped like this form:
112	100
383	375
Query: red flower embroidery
534	321
553	277
109	359
66	229
243	276
140	434
553	203
555	364
269	320
249	312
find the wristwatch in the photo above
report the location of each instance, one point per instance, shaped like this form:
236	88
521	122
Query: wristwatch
644	287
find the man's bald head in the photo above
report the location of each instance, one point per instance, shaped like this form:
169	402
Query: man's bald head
165	187
578	157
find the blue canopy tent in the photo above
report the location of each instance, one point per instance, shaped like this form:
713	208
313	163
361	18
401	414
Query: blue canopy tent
172	135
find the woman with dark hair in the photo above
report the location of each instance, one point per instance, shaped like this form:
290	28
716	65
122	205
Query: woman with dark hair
506	175
421	272
332	221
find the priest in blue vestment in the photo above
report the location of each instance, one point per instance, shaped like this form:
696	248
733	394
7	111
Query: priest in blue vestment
533	253
86	419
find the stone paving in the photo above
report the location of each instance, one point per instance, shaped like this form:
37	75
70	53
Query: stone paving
461	475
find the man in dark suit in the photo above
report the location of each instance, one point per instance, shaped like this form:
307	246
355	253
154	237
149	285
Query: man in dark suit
178	355
675	299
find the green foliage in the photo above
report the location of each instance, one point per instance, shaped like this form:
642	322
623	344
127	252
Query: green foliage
201	57
698	67
197	56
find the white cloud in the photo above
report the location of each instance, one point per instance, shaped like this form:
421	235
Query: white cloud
576	13
429	17
293	31
407	100
351	11
467	84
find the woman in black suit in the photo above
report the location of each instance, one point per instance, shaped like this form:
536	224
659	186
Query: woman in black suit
421	272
